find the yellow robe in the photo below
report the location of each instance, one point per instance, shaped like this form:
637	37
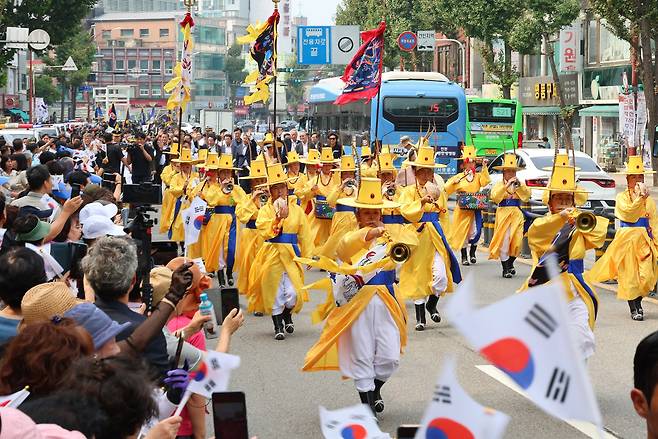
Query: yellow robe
168	200
508	218
461	218
320	228
304	194
249	244
343	222
416	272
296	188
540	237
369	171
324	354
180	187
632	256
273	259
214	239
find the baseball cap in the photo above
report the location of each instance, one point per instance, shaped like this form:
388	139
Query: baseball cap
97	209
44	301
97	226
160	281
18	425
98	324
40	213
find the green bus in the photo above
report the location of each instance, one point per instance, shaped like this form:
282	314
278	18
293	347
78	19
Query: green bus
493	125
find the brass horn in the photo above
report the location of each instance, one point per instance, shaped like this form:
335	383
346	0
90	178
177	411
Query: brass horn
585	221
399	252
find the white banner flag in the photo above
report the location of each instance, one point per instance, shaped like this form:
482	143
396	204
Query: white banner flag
453	413
351	422
193	220
627	118
533	344
641	122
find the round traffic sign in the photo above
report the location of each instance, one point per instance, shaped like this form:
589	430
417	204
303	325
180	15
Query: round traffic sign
38	39
345	44
407	41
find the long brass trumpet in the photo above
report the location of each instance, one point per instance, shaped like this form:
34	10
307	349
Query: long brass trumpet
585	221
399	251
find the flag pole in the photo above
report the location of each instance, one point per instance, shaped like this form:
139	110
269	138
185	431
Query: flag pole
276	40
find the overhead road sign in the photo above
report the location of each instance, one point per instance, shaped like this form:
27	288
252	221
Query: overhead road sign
318	45
345	41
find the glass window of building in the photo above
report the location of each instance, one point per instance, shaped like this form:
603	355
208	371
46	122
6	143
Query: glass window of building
119	64
144	65
143	33
156	91
132	64
106	35
611	47
143	90
592	42
156	65
164	33
210	87
211	35
106	65
127	33
210	61
169	65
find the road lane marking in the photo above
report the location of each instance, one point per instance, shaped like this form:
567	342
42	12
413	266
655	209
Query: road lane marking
586	428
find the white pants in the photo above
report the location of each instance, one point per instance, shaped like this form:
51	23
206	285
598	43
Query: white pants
370	349
439	277
504	247
286	296
471	233
222	261
579	326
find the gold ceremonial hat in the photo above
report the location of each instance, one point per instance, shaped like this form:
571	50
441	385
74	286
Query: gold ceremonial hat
269	139
173	150
561	160
257	169
292	157
468	153
346	164
327	155
212	161
635	166
385	149
386	162
202	155
509	163
365	151
425	158
369	196
563	179
185	157
226	162
313	157
275	175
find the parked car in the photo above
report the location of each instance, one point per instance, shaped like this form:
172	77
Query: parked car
537	171
17	133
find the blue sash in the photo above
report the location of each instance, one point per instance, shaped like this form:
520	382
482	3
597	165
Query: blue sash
321	198
343	208
287	238
251	224
226	210
386	278
510	202
433	218
577	267
179	202
642	222
291	191
392	219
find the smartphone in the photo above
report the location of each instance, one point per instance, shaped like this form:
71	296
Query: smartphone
230	415
407	431
75	190
230	301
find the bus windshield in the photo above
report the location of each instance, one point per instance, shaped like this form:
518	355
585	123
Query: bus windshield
491	112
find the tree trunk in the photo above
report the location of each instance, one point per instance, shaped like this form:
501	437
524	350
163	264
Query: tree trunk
61	108
567	118
507	73
74	96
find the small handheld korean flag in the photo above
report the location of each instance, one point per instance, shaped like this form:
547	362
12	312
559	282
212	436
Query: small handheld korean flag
193	220
213	374
15	399
453	413
533	345
351	422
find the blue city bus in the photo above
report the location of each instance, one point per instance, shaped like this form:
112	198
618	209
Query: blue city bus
410	103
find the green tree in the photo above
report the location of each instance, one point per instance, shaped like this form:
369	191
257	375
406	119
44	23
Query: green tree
295	81
57	17
541	20
44	88
79	46
234	68
637	23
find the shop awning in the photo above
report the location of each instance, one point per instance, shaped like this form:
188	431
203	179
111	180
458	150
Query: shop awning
541	111
600	110
20	113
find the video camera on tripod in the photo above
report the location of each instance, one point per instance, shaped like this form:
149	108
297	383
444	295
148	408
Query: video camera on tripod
139	228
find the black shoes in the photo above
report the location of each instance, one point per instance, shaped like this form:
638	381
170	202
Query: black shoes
420	317
289	326
506	272
472	254
432	300
368	398
465	257
229	279
278	327
637	313
258	314
221	280
379	402
510	265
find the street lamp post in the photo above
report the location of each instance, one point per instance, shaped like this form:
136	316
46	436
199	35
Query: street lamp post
463	56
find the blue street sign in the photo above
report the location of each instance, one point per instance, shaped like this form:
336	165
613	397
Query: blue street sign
84	88
314	45
407	41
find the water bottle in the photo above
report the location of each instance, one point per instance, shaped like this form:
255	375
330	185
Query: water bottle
210	328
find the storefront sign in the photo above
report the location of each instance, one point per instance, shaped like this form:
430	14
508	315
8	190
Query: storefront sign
627	118
541	91
570	59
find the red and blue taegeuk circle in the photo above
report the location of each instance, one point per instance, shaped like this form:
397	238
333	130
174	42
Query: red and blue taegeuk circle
444	428
200	373
513	357
354	431
198	222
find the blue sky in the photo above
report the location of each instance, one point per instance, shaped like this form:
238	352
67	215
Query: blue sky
319	12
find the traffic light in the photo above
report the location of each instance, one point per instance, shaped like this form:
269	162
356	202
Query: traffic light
286	70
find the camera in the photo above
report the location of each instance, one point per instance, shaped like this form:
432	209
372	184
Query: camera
144	193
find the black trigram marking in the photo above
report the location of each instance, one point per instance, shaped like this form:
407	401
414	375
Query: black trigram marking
558	387
442	394
541	320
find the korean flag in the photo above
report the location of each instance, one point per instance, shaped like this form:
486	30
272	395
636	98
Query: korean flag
356	422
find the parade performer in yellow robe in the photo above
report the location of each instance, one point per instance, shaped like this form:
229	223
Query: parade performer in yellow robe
432	269
320	187
275	280
366	332
227	204
344	220
508	193
368	164
251	240
311	171
556	233
631	256
296	180
391	217
168	200
180	188
466	225
269	146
